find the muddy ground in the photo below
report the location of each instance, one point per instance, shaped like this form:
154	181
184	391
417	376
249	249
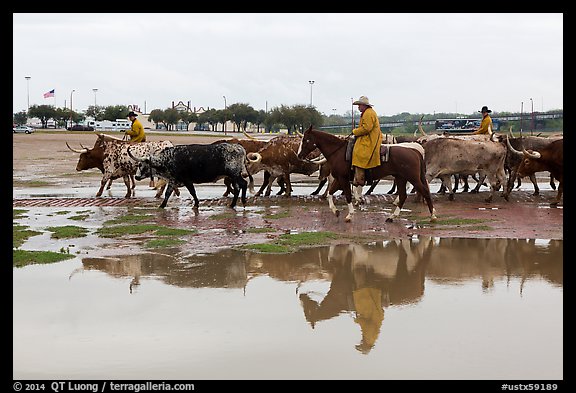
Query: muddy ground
42	160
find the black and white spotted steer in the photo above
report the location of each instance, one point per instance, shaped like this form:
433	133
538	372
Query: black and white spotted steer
185	165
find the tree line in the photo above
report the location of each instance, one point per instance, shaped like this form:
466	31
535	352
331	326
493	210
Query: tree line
291	118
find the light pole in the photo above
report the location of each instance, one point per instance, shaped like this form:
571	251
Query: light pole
28	91
94	90
225	106
311	83
532	117
71	106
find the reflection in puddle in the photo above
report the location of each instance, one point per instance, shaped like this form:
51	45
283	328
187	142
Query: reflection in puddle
418	308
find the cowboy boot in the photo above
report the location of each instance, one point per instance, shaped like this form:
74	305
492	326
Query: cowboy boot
359	179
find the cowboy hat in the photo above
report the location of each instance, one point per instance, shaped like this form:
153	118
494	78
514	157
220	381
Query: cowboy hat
363	100
132	114
485	109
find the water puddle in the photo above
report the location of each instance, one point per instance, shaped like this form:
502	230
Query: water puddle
415	308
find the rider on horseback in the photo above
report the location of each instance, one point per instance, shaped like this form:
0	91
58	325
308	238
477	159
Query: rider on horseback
368	139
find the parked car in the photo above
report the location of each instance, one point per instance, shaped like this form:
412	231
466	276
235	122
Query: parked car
24	129
79	127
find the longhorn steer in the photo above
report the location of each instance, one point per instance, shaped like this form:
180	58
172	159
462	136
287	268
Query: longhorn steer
549	158
185	165
450	156
111	157
279	158
513	160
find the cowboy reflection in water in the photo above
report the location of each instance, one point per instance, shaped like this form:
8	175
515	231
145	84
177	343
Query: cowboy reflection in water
367	141
365	280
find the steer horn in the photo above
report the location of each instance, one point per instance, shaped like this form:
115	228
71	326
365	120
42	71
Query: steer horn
134	158
420	126
299	133
531	154
518	153
84	150
257	157
318	160
249	136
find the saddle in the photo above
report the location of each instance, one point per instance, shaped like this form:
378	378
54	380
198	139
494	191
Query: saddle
384	150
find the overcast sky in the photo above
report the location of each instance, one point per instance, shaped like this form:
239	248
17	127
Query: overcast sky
417	63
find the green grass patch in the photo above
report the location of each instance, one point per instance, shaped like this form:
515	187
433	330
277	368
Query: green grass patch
20	234
18	213
260	230
30	183
306	238
289	242
22	258
164	243
67	232
275	216
129	218
138	229
80	217
457	221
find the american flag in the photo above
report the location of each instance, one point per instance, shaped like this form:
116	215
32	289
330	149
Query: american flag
49	94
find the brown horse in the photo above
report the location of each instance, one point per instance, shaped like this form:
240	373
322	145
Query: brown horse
404	164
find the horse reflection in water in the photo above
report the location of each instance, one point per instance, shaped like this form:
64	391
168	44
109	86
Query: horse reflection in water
366	279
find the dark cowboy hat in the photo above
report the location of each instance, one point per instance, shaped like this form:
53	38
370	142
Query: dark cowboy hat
485	109
132	114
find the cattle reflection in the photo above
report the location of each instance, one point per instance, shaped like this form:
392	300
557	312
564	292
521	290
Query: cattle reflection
363	280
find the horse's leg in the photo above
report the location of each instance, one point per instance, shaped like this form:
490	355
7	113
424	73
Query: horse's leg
320	185
393	189
334	186
346	190
330	181
373	186
401	187
424	191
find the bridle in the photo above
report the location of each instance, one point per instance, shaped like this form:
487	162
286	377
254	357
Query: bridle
335	150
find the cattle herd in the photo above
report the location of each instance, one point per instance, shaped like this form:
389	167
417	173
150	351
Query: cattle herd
501	159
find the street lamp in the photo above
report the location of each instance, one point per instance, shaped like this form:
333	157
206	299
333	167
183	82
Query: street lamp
311	83
71	106
225	106
532	117
94	90
28	91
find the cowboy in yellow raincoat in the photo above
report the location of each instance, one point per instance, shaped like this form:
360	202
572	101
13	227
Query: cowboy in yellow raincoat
486	121
136	131
366	153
